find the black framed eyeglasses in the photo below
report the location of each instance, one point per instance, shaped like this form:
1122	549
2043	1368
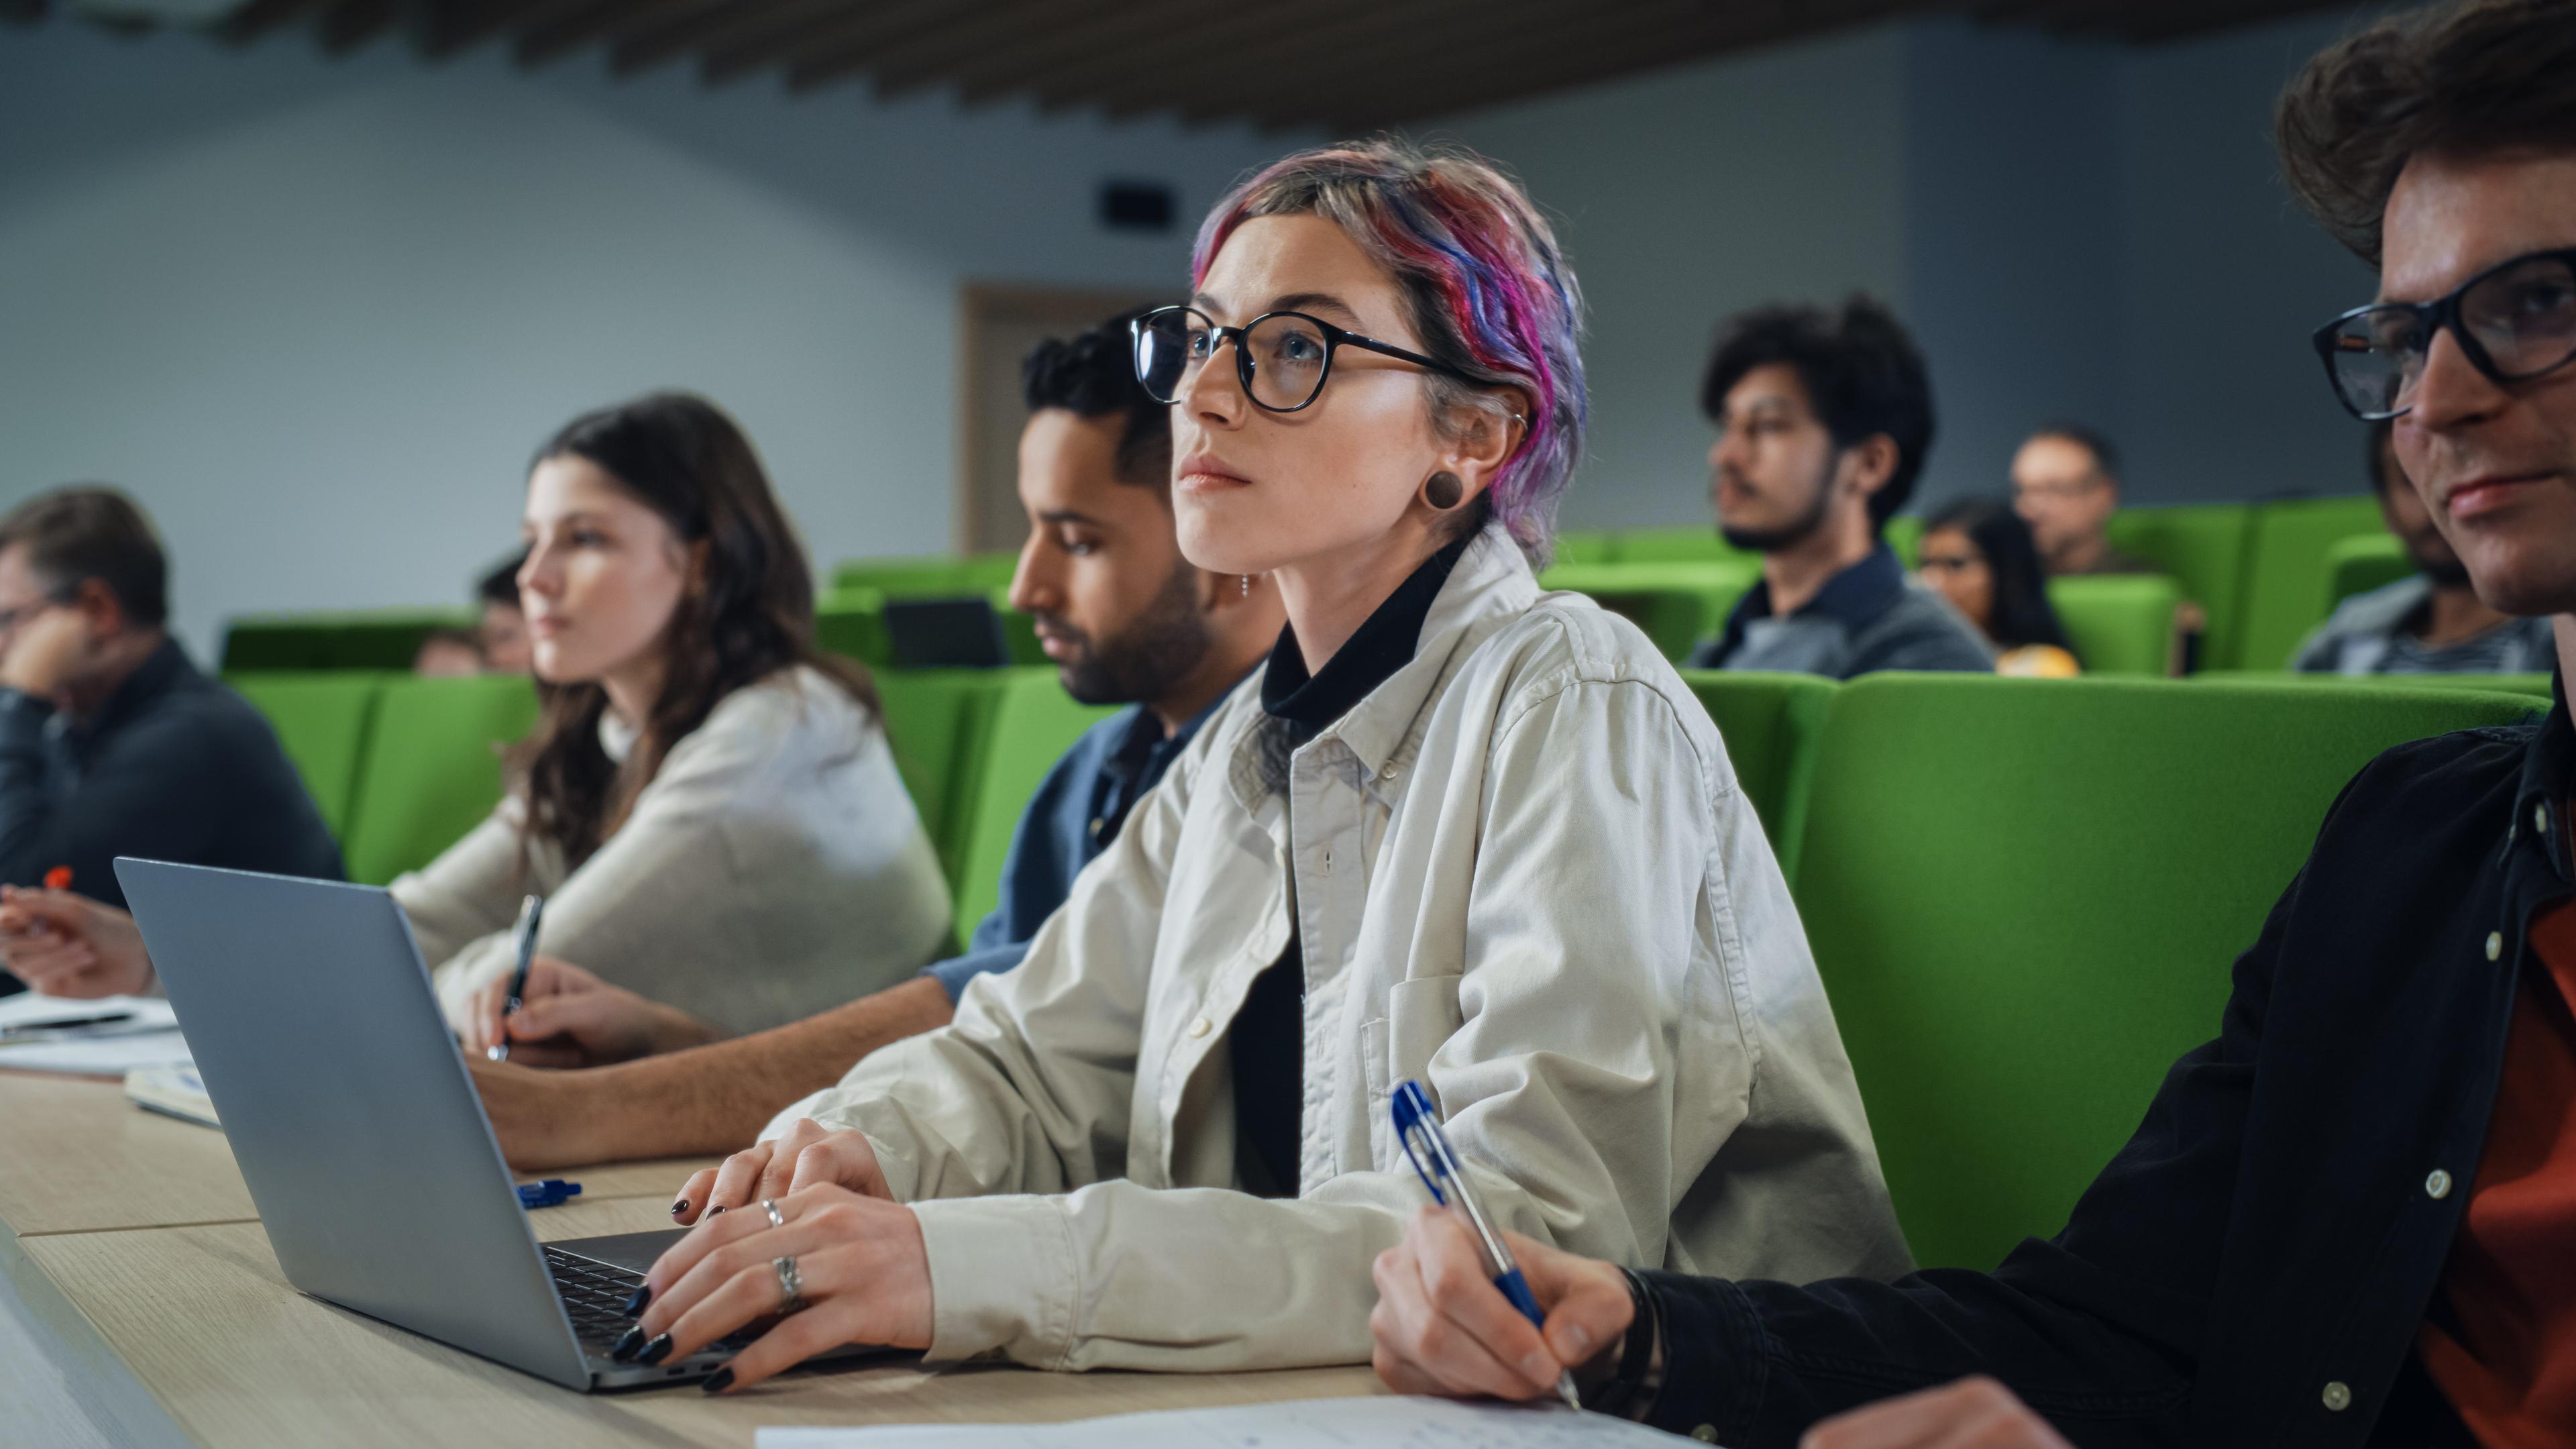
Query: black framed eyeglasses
2514	321
1282	358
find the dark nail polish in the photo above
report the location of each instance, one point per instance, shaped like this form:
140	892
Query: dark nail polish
636	1304
679	1207
711	1212
625	1347
656	1351
717	1382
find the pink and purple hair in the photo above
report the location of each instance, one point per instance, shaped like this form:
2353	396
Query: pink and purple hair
1489	292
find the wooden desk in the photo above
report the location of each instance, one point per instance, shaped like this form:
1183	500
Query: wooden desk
186	1327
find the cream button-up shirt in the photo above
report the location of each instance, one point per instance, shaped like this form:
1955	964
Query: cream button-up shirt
1522	873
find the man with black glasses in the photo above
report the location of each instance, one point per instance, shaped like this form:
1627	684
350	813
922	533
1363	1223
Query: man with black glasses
2351	1219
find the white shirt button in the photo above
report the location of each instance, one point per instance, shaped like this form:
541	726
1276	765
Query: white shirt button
2540	818
1387	774
2337	1396
2438	1186
1202	1027
2495	945
1705	1433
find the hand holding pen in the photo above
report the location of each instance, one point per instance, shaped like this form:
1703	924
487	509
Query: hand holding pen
1417	1125
531	911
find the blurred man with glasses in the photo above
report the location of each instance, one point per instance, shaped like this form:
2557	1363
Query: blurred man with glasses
2066	486
111	742
2351	1219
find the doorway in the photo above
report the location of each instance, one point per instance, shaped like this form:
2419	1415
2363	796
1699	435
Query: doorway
1001	323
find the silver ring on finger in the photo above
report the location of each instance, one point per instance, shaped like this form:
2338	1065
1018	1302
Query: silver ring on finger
777	1219
791	1285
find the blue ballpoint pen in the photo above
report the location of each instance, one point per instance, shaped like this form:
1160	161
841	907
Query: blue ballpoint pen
1417	1125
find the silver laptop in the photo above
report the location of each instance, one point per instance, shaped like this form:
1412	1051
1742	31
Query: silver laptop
362	1138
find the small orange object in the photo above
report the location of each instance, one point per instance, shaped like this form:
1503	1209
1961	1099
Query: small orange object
59	878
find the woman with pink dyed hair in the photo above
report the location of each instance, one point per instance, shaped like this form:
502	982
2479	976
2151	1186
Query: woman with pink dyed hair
1459	831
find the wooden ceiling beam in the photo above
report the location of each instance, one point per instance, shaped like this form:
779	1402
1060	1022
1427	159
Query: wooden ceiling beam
352	23
838	25
926	59
560	29
22	12
1267	62
1123	42
1562	58
693	27
260	17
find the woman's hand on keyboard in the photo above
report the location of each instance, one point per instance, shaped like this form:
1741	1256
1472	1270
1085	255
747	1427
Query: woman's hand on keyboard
862	1271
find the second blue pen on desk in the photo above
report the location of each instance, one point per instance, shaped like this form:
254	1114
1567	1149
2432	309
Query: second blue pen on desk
1417	1126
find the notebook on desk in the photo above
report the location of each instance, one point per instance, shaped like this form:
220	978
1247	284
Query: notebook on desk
358	1130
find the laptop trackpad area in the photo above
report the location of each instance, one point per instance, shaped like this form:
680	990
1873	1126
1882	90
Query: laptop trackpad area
633	1252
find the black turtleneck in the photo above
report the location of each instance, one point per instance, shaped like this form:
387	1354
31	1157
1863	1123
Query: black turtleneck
1267	1042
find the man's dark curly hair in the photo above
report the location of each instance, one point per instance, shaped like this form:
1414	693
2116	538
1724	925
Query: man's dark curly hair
2465	79
1093	375
1863	374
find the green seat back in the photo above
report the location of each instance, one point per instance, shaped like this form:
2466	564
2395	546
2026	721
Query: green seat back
851	623
2363	562
927	576
1904	533
1676	604
1019	633
2534	685
1587	548
990	570
1034	723
2119	623
1694	543
273	645
937	721
322	721
2025	897
432	768
2286	574
2202	547
358	639
1772	724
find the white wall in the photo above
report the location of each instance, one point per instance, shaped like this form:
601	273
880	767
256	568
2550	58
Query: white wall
316	315
1688	195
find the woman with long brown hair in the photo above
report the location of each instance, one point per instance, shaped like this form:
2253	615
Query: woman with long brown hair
708	802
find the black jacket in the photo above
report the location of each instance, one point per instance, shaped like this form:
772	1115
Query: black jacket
2254	1266
174	767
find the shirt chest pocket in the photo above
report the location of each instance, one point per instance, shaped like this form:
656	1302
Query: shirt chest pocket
1420	1015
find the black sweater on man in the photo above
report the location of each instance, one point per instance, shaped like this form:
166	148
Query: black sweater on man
173	766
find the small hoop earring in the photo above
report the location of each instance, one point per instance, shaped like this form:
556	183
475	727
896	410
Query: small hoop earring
1443	491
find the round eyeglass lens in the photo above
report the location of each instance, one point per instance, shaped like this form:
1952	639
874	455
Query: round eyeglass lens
2376	356
1169	347
1288	355
2525	316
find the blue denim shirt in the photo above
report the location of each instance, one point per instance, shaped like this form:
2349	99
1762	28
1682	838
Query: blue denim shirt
1073	816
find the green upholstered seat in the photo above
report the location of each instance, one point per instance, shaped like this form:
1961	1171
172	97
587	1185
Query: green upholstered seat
1033	723
1689	543
2119	623
2363	562
938	721
2025	897
2201	546
851	623
356	639
432	768
1771	724
927	575
2534	685
1904	533
323	721
1676	604
2287	574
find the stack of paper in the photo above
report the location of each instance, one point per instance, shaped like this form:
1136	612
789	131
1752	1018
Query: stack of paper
107	1037
1383	1422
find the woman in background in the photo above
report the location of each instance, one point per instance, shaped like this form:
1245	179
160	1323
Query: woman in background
1981	557
708	802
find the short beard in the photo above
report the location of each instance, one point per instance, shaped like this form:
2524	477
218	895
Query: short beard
1155	652
1791	534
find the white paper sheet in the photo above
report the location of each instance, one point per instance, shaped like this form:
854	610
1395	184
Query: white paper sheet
1385	1422
151	1039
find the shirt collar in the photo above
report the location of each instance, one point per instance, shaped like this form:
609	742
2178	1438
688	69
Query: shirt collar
1383	644
2549	777
1490	585
160	669
1853	598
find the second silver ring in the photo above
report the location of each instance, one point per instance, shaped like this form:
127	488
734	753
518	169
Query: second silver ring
777	1219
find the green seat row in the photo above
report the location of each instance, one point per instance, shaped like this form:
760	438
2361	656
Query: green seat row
2025	896
357	639
399	767
851	622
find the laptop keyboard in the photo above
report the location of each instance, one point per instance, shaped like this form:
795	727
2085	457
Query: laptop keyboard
595	1295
